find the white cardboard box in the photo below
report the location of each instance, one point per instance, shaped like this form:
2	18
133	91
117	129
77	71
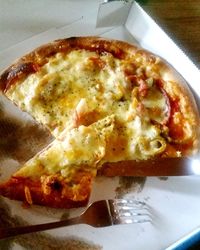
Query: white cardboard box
175	202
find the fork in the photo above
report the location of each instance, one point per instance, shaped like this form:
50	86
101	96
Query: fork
101	213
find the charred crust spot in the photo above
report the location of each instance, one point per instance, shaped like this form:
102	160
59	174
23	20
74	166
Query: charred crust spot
67	43
4	78
56	185
72	38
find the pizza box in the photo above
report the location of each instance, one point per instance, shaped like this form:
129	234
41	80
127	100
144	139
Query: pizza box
173	201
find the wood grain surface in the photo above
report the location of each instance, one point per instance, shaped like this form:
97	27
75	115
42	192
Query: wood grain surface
181	20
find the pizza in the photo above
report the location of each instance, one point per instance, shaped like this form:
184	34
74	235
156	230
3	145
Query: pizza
105	101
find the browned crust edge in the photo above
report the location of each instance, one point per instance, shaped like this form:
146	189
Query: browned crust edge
31	62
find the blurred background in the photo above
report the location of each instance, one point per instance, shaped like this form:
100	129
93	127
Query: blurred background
181	20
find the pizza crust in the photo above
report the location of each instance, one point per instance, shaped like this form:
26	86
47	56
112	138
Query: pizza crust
50	191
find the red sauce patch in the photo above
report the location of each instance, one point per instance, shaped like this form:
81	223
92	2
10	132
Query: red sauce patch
176	131
143	88
97	62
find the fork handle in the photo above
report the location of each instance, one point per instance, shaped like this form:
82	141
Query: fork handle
14	231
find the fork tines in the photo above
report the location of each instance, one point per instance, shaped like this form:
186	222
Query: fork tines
128	211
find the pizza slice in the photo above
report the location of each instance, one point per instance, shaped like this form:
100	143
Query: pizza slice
129	101
61	175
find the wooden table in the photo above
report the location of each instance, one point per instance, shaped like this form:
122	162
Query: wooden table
181	20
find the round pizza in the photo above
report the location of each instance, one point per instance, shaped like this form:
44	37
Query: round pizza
107	103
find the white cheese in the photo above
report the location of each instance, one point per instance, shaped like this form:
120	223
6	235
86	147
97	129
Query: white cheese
81	147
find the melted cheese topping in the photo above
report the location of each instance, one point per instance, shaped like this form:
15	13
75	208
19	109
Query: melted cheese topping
93	109
79	147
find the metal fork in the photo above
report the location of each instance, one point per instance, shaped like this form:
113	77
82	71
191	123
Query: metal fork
99	214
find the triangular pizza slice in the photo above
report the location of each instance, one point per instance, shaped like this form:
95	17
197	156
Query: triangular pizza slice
61	175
